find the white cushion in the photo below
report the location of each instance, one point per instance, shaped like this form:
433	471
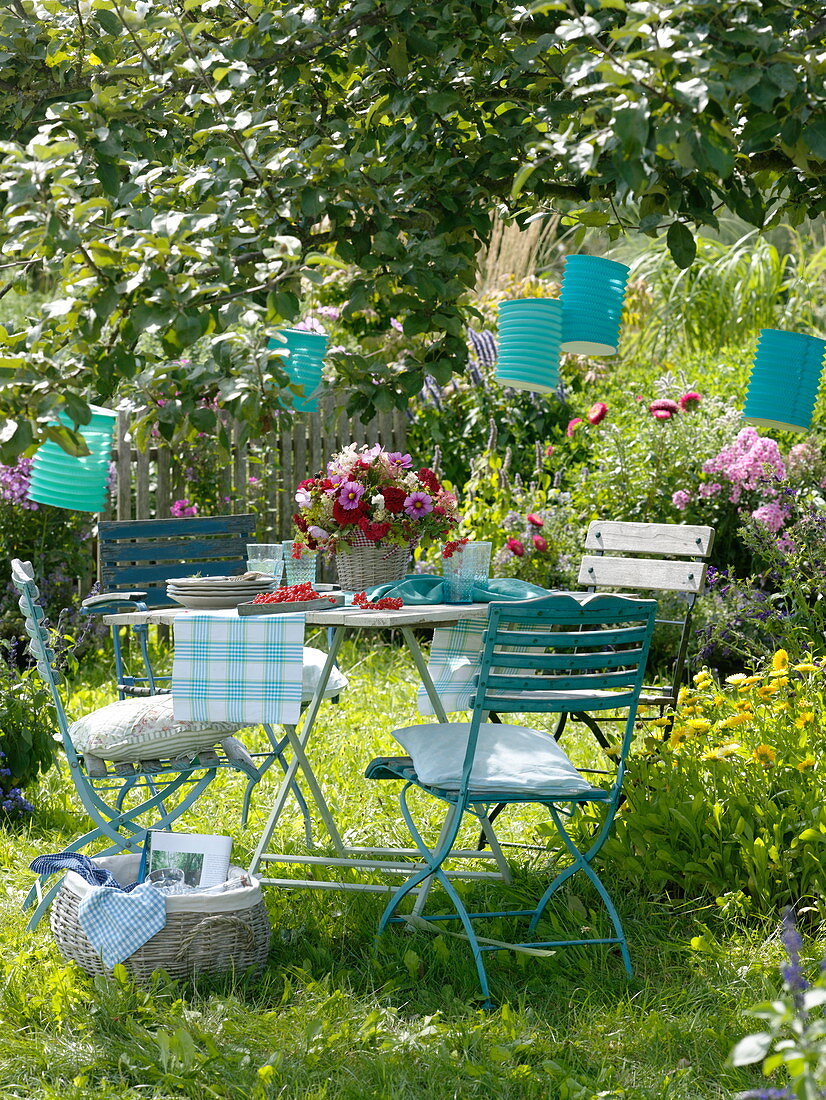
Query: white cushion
510	759
145	728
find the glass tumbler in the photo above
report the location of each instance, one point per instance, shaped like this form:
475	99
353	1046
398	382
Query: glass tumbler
469	566
265	557
299	570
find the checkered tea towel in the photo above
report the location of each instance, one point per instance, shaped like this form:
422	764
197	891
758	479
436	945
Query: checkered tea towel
117	924
81	865
237	668
454	662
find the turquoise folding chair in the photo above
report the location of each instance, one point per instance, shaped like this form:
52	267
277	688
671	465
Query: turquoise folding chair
558	655
122	801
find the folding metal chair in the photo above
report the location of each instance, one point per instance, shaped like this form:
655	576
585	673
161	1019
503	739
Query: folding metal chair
138	557
123	801
556	654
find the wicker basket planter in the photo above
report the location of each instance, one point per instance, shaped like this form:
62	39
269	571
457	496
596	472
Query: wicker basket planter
214	934
364	564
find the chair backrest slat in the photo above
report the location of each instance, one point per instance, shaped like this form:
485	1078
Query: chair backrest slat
677	539
146	553
642	574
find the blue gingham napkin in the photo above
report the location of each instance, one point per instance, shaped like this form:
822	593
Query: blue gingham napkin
237	668
454	662
117	923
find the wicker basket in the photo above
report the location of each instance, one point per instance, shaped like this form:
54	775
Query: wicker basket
212	934
363	564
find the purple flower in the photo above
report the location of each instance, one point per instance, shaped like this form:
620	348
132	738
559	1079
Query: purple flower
183	508
418	504
350	494
317	533
681	499
398	461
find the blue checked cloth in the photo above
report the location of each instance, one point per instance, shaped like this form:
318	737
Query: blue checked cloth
81	865
118	923
245	669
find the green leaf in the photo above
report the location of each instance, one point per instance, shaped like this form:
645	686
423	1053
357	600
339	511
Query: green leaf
814	135
681	244
751	1049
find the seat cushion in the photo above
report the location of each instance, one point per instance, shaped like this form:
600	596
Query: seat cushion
313	665
509	759
141	729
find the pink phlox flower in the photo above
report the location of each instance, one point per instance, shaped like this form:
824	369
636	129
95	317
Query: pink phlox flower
709	488
771	515
183	508
332	313
418	504
516	547
748	462
572	426
253	480
397	461
663	408
597	412
681	499
350	494
690	400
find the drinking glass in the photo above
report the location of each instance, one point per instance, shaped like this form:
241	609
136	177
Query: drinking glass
299	570
265	557
469	566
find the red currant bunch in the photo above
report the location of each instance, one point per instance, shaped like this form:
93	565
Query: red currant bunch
386	603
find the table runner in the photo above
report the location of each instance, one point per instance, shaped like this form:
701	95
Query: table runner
233	668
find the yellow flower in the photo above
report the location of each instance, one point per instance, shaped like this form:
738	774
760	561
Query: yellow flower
781	706
702	677
804	719
736	678
779	679
765	755
699	725
735	720
678	737
766	691
806	667
729	748
743	704
719	700
780	660
685	697
745	684
806	762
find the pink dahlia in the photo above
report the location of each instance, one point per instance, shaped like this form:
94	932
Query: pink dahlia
540	543
690	400
534	520
663	408
572	426
516	547
597	413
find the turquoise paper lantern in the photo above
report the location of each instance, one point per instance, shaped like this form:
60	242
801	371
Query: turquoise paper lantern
304	364
530	330
592	296
64	481
785	378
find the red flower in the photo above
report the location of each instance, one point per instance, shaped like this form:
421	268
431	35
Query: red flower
300	522
572	426
597	412
345	516
516	547
690	400
428	478
394	499
373	531
549	450
663	408
535	520
540	543
308	483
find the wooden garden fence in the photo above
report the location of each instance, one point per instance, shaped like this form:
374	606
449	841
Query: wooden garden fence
150	481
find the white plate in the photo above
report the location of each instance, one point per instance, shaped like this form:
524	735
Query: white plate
210	590
243	579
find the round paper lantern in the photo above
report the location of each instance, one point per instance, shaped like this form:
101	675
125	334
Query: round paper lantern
64	481
785	378
592	296
530	330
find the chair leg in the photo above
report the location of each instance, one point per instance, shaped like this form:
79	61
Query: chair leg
433	867
582	862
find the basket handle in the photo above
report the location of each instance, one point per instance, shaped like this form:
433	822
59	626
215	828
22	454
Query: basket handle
241	926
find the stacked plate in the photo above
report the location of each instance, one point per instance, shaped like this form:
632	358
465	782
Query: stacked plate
217	593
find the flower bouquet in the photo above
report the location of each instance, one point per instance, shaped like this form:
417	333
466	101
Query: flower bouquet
372	502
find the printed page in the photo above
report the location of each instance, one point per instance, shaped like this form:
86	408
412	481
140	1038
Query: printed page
203	858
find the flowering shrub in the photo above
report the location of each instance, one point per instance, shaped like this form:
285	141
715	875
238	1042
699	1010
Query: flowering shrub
371	496
727	802
27	744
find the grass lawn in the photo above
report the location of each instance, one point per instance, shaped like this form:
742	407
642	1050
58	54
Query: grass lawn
333	1016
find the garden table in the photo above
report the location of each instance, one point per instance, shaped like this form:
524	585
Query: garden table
339	621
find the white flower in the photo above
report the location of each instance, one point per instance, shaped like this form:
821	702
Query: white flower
303	498
377	501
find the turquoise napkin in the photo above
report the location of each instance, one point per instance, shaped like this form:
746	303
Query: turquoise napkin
424	588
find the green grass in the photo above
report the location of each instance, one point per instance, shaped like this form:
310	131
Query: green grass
335	1017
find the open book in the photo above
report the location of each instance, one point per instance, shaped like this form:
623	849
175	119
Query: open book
203	858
